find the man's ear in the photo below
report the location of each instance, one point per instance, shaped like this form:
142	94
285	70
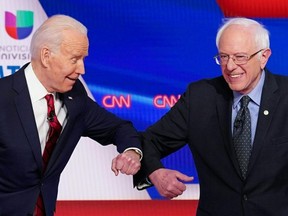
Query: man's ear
264	57
45	56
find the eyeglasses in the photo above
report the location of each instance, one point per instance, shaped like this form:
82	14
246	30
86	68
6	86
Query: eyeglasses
238	59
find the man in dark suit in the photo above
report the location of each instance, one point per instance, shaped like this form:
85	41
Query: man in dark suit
58	49
204	118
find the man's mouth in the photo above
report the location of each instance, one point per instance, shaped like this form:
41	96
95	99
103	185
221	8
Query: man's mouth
73	79
235	75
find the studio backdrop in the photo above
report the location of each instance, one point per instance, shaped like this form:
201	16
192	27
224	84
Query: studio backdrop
142	56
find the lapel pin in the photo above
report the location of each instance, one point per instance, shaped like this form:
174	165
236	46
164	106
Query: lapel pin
266	112
70	98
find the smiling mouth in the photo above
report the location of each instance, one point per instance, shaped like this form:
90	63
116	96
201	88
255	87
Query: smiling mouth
235	75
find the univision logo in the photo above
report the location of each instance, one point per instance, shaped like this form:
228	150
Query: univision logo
19	26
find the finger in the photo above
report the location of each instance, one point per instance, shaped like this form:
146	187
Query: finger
180	188
113	167
132	170
172	193
133	167
119	164
176	188
122	164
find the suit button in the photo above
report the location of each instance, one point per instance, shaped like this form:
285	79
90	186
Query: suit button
245	198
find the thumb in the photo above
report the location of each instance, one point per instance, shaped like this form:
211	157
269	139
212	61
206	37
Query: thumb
184	178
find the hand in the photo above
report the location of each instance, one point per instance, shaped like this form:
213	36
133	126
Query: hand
169	183
127	163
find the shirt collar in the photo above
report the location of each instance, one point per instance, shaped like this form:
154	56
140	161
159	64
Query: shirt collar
255	94
36	90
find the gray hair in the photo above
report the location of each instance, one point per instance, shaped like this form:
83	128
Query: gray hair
50	33
261	34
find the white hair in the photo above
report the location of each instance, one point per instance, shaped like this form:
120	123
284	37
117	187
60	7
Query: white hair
260	33
50	33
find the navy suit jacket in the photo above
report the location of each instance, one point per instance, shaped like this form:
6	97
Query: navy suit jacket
21	177
202	118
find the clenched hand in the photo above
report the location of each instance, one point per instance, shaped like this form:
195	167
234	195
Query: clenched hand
127	163
169	183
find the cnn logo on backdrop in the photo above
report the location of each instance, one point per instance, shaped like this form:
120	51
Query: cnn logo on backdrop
125	101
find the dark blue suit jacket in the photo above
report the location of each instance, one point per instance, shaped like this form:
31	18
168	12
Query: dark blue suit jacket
21	177
202	118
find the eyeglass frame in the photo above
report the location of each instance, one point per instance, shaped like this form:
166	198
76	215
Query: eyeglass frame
233	57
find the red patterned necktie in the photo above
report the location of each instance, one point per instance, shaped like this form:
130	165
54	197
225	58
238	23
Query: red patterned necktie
53	134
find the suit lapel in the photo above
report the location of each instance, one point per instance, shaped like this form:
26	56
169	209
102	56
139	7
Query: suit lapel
269	102
26	115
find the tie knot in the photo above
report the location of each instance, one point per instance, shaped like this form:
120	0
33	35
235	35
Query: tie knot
245	100
49	98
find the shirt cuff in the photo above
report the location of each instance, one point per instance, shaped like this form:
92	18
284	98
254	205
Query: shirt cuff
137	150
144	184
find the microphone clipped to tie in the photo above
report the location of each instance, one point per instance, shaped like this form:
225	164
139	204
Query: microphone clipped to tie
51	116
